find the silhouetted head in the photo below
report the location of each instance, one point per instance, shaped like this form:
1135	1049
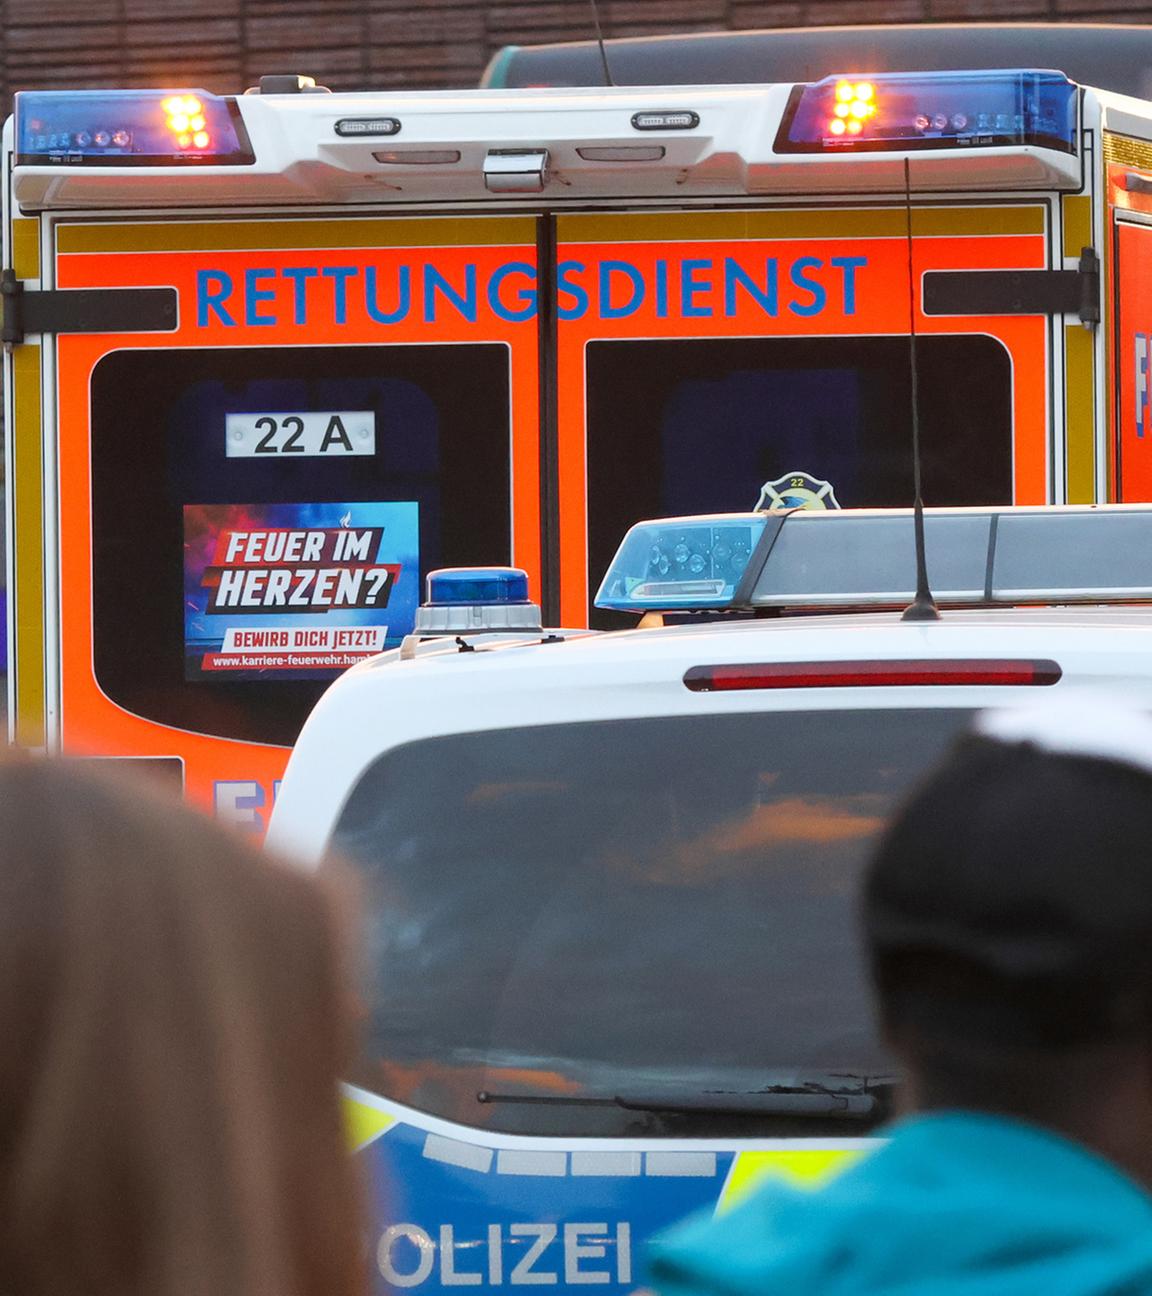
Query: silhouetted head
1008	917
174	1025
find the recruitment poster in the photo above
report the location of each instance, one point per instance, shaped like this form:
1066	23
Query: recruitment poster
296	591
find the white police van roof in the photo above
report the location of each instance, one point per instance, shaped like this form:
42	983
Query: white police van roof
387	702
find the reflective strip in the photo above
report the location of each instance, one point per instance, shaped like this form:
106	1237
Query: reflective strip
218	236
27	648
1077	211
1079	370
687	1165
553	1165
26	247
802	1167
1079	409
608	1164
364	1124
511	1162
1127	151
451	1152
886	222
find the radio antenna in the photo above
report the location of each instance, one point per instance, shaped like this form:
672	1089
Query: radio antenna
600	41
923	605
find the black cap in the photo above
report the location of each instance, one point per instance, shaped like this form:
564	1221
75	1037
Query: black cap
1013	894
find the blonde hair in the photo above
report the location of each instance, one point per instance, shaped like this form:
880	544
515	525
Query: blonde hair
173	1025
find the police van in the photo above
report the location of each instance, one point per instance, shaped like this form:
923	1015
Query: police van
608	878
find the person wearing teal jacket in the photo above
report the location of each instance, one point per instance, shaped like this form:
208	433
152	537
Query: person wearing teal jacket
1008	920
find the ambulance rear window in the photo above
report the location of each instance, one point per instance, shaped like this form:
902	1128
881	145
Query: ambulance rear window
701	425
574	912
194	450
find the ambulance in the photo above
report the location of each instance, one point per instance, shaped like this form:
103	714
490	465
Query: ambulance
608	881
271	358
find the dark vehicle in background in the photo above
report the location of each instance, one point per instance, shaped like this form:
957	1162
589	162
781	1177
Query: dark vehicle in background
1112	56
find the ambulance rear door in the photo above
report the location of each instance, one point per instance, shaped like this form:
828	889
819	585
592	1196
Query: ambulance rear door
719	360
250	494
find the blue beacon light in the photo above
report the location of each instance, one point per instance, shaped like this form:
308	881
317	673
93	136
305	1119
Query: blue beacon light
477	600
918	110
129	128
681	564
456	586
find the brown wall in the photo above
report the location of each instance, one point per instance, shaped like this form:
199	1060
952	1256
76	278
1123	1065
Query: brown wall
224	45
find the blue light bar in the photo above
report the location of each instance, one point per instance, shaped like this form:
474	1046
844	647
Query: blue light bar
129	128
681	563
476	586
930	110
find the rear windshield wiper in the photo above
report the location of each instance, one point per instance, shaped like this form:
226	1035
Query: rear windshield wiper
865	1100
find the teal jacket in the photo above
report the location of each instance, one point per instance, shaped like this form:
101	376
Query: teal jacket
954	1204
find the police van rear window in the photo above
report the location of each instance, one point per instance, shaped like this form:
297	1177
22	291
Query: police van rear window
561	915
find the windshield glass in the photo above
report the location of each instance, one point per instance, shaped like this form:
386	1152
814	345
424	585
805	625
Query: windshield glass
702	425
625	907
191	447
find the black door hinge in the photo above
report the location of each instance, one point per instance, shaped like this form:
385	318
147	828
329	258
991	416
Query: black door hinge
82	310
1017	292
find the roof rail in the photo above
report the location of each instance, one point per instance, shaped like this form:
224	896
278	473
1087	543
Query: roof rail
866	558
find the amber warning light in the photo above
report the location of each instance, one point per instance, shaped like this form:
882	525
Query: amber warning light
187	122
855	103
